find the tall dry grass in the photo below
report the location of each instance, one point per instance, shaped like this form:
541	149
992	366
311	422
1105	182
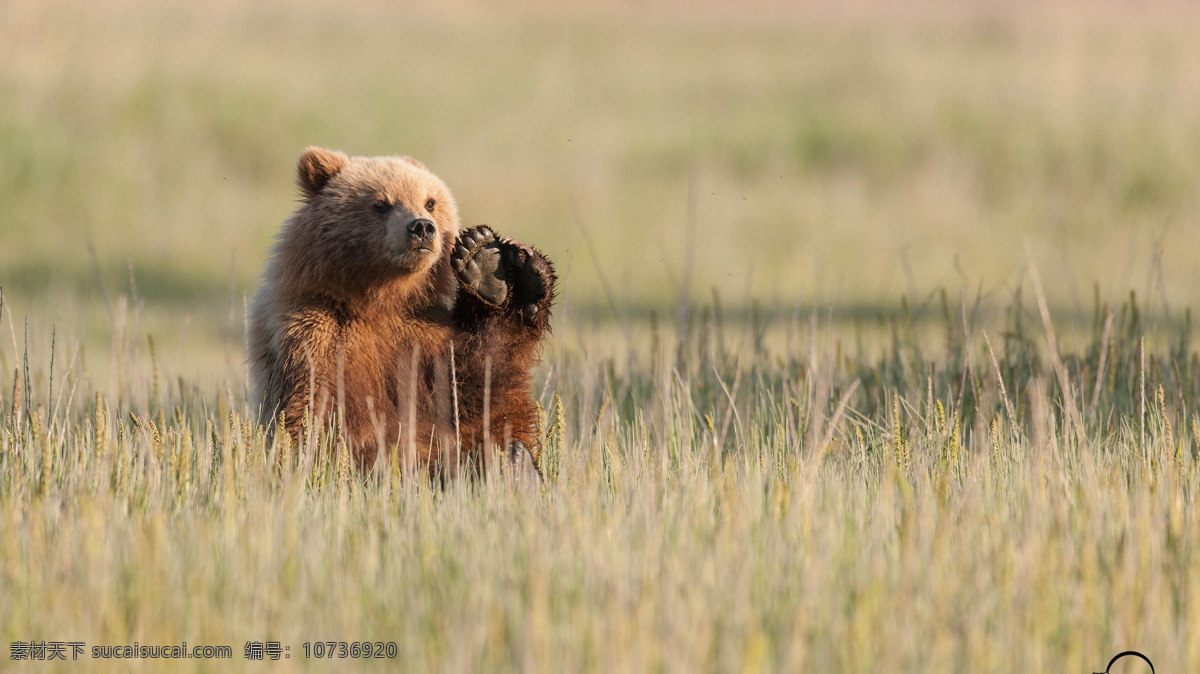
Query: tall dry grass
712	502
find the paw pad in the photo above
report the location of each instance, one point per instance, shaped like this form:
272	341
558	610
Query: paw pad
478	259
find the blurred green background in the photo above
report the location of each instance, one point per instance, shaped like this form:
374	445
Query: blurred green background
843	155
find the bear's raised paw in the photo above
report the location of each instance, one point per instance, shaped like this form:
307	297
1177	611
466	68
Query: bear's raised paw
501	271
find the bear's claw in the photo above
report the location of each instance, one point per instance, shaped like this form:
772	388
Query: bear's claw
519	461
497	269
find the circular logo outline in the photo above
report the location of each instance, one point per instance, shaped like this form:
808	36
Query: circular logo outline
1123	654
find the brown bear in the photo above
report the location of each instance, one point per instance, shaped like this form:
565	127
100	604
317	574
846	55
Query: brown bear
370	294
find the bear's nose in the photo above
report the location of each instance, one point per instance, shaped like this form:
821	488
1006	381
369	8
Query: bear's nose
422	230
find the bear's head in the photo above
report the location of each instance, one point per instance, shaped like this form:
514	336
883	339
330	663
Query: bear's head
366	225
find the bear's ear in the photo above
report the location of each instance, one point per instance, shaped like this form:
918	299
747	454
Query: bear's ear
317	166
414	162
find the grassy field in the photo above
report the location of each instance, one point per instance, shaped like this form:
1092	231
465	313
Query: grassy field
805	408
710	503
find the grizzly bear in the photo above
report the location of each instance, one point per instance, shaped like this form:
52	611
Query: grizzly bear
377	317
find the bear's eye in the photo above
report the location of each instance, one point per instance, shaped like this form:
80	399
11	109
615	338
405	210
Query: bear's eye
382	206
429	205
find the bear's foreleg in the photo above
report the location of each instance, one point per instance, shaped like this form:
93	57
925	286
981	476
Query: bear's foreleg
503	314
